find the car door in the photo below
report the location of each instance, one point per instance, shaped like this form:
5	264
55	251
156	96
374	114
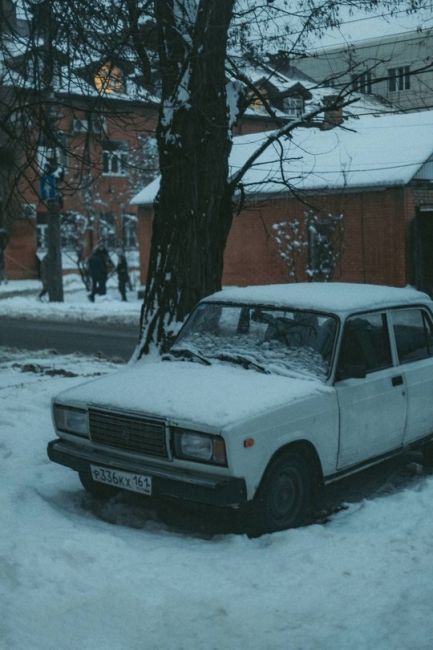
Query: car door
371	391
413	334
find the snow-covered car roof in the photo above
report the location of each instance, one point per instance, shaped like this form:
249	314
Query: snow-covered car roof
339	297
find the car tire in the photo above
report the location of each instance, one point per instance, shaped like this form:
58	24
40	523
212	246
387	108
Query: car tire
284	497
98	490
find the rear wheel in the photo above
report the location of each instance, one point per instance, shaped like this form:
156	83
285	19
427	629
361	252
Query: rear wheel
98	490
284	498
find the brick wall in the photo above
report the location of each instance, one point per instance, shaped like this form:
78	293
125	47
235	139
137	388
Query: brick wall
109	193
20	254
375	240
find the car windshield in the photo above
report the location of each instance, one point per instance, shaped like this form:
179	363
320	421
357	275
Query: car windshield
281	341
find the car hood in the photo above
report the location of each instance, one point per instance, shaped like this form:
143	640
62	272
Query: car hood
216	395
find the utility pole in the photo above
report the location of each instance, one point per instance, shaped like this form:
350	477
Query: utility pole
53	264
49	191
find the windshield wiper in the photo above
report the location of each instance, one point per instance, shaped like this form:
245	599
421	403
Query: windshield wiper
186	353
242	361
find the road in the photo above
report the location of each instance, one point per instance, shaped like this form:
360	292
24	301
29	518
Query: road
111	342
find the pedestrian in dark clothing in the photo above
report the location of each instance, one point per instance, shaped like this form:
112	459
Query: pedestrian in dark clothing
122	274
98	272
43	276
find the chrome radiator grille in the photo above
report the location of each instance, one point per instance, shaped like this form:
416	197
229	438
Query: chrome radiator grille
128	432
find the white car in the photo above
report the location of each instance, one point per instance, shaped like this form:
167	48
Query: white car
267	393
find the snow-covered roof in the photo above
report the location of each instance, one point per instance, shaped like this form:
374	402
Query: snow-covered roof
340	297
147	195
368	151
73	84
291	77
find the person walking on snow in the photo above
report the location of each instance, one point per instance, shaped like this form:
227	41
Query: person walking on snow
43	276
98	270
122	274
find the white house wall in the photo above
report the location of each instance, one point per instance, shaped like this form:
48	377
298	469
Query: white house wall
379	55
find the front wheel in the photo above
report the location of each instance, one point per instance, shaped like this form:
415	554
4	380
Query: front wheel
98	490
284	498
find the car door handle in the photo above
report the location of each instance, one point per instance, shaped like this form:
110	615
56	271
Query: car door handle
397	380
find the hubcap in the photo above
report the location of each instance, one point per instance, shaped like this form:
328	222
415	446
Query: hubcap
286	496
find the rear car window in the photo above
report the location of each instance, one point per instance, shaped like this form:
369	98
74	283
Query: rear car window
413	334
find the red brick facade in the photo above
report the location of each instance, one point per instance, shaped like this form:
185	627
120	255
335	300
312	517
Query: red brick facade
20	254
107	194
376	236
129	122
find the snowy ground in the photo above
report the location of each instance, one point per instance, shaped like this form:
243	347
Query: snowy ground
78	574
18	298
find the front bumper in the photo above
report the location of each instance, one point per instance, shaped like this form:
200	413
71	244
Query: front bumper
211	489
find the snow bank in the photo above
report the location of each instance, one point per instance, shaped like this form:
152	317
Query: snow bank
364	153
18	299
77	575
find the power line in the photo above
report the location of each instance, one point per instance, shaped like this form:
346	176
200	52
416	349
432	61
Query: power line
344	171
342	23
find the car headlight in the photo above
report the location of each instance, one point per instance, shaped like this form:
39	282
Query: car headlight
71	420
201	447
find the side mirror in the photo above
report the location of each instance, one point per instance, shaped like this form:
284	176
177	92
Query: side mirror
353	371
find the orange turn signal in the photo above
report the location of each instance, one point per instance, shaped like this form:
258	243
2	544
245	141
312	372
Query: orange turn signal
249	442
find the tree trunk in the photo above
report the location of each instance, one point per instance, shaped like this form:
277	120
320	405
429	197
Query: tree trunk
193	211
54	279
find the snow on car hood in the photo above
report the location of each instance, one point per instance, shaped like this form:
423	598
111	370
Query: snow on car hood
215	395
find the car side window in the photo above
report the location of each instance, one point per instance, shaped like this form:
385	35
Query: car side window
365	346
413	334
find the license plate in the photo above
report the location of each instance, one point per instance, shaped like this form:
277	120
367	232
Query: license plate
124	480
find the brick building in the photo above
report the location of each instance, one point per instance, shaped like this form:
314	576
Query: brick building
106	124
377	172
396	66
104	155
75	124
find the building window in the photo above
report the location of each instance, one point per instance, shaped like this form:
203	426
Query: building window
107	229
73	227
115	159
50	158
42	230
361	83
42	236
129	230
399	78
256	101
293	106
96	124
109	79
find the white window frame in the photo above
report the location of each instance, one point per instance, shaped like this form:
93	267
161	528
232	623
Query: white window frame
293	106
115	158
129	231
399	79
362	82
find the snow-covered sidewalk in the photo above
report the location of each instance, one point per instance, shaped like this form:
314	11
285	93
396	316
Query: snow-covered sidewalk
75	574
18	299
